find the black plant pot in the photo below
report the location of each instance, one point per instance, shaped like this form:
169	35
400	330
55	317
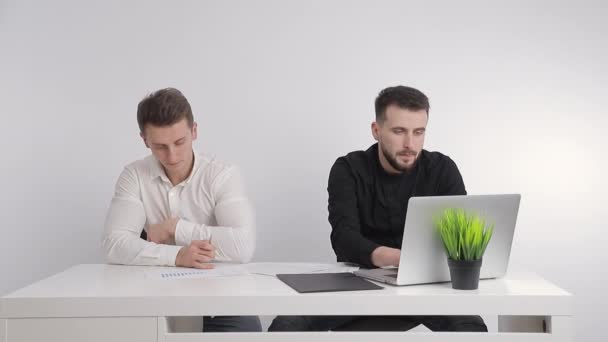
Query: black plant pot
464	273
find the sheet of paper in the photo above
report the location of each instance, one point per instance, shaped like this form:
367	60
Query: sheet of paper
220	270
274	268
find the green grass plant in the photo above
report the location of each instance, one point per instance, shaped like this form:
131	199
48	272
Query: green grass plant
465	236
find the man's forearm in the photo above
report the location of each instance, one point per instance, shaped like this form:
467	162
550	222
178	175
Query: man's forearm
122	247
235	244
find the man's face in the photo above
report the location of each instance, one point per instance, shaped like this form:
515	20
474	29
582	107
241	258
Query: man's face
171	145
400	137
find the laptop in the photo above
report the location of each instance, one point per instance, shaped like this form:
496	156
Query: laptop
423	259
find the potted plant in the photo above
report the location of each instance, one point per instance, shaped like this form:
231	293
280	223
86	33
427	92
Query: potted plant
465	237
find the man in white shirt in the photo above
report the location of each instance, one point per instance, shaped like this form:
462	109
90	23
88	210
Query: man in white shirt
193	209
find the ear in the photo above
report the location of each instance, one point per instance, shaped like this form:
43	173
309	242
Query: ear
141	134
194	130
375	130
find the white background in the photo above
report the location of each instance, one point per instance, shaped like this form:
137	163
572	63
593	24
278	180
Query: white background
283	88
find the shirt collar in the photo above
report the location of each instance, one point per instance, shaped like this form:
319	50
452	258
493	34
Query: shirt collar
157	171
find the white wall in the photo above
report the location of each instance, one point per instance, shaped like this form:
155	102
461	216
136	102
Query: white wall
282	88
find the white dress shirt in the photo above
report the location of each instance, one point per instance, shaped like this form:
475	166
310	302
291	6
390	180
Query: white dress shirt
210	204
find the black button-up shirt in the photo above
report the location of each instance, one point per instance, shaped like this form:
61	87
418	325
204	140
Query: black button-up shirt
367	206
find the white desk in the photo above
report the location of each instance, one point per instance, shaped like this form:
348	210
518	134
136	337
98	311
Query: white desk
117	303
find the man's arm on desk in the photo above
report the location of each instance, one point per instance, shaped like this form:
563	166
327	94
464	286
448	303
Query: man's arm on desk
346	238
124	223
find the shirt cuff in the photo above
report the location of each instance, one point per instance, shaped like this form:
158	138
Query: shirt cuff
184	233
169	254
366	253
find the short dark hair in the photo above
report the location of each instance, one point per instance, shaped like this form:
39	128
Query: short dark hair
164	107
402	96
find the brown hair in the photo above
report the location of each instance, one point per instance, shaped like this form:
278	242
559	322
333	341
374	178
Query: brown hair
164	107
402	96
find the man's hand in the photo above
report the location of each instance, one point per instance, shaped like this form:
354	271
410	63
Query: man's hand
163	232
196	255
386	256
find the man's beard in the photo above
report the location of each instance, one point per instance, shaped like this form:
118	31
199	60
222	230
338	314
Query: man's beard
393	160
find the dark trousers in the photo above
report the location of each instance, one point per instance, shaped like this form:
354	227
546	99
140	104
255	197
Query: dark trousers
231	324
377	323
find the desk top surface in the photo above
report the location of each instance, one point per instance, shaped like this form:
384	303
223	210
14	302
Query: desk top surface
125	290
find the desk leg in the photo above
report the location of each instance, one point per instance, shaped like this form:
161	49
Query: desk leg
3	324
161	329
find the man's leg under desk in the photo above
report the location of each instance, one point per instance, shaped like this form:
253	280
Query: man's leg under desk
377	323
231	324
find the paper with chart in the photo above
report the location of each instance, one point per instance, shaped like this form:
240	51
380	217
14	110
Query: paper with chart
220	270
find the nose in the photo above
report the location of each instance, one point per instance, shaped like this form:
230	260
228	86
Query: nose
407	140
172	155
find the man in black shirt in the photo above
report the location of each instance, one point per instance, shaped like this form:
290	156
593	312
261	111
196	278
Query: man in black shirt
368	195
